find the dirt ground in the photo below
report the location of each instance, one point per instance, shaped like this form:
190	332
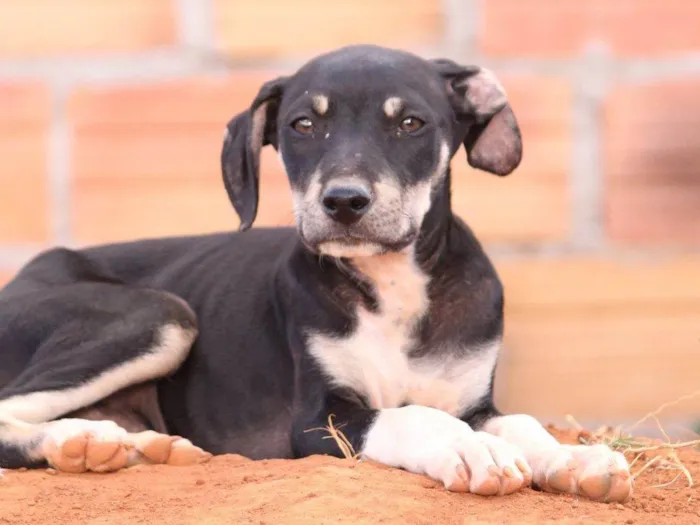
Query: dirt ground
320	490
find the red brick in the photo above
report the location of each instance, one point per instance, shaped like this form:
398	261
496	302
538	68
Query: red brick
48	27
280	27
651	145
25	112
532	203
548	28
146	159
588	282
600	339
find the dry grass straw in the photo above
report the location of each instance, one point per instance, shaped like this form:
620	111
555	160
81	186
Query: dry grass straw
341	439
666	452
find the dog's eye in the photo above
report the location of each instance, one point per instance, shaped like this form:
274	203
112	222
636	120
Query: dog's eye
303	125
411	124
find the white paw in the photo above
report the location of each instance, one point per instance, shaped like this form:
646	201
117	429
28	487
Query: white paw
79	445
596	472
152	447
428	441
479	463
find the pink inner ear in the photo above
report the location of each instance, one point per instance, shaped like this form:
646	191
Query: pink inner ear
485	93
498	148
257	131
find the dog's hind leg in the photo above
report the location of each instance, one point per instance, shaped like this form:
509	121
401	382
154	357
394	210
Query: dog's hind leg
111	337
137	411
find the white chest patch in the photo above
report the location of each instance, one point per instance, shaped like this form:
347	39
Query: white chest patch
373	360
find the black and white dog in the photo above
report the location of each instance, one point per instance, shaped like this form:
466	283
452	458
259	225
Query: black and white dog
380	309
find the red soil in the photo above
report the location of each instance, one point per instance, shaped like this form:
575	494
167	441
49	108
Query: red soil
319	490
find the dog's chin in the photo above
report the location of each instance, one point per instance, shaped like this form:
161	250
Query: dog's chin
350	244
352	247
350	250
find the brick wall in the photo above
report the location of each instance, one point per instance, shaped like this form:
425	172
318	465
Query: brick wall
111	118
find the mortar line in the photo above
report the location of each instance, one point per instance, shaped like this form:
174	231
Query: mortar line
586	176
511	250
59	167
195	24
462	25
193	59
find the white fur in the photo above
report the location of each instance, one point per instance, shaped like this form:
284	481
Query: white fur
58	432
374	359
392	106
339	249
428	441
524	431
320	103
443	163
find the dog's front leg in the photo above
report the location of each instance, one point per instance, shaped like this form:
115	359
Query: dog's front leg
596	472
426	441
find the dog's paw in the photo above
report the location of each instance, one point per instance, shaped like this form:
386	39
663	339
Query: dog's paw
79	445
481	464
427	441
596	472
152	447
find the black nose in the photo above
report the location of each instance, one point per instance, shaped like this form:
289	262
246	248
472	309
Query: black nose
346	204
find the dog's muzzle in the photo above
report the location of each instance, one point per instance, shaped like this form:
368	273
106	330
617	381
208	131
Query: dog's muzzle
353	217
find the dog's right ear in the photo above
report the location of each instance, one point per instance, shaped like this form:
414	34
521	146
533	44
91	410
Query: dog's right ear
245	136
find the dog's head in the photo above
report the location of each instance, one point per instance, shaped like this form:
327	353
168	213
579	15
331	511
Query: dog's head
366	135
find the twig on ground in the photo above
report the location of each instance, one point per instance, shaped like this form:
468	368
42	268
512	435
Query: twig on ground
634	460
341	439
647	465
663	446
572	421
668	483
685	471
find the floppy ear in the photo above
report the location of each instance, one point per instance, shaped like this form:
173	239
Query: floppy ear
490	130
246	134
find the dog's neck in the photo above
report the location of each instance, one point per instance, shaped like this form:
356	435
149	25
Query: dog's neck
402	278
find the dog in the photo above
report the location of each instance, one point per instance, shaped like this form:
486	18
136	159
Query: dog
378	312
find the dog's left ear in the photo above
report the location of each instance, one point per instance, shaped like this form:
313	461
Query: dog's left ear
490	130
246	134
